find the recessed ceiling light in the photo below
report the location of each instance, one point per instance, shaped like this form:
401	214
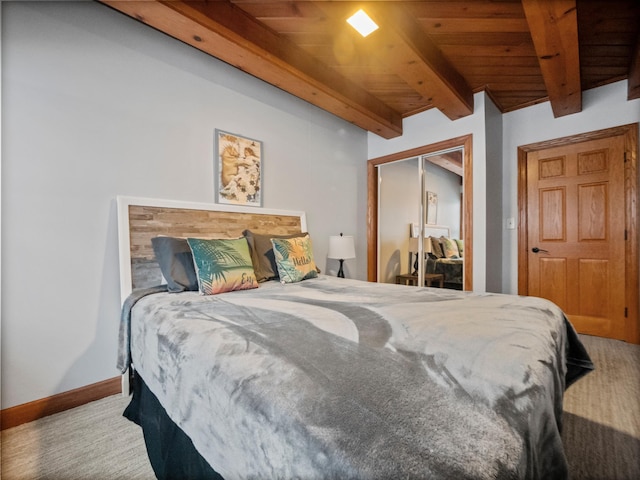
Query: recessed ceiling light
362	23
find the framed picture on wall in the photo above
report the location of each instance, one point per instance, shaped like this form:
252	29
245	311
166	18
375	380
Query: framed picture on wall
432	208
238	169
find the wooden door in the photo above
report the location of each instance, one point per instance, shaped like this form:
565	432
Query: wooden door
576	232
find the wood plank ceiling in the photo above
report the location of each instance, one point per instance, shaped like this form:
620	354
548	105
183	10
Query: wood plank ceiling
426	54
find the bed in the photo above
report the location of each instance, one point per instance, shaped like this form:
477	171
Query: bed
445	255
335	378
450	268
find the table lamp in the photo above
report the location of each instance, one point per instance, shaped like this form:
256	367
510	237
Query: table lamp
413	248
340	248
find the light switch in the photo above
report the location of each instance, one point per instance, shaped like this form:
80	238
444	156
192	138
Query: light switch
511	223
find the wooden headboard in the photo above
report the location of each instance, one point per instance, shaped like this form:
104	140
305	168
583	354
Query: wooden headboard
436	231
141	219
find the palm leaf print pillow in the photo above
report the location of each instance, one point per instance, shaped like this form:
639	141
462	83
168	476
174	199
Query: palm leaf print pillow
294	258
222	265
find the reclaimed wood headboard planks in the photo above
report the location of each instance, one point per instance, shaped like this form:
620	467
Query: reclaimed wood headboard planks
141	219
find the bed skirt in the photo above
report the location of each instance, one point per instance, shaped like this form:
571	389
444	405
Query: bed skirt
171	452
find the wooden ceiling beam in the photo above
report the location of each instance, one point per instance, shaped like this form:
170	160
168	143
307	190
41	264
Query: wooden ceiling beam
229	34
401	44
554	30
633	87
451	161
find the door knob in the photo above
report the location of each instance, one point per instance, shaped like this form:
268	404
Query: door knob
537	250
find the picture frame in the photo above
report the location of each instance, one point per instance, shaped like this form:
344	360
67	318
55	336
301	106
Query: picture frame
432	208
238	169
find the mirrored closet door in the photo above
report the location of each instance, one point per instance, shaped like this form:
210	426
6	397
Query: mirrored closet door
421	198
399	207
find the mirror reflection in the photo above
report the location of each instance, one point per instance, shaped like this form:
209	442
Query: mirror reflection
422	194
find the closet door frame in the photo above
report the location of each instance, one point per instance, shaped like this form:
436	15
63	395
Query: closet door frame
467	218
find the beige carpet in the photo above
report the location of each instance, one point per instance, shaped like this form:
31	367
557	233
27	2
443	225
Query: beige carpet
90	442
602	414
601	431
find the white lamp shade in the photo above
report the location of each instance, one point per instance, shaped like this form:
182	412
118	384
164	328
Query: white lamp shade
341	247
413	244
427	244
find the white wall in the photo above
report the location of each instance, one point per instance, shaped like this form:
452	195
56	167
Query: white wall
432	126
447	186
494	223
94	105
602	108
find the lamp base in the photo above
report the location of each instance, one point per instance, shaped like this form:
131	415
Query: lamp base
340	271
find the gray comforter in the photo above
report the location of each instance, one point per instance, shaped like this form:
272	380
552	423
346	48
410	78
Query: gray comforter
336	378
